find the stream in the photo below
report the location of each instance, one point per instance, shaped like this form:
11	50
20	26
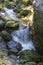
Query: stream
22	34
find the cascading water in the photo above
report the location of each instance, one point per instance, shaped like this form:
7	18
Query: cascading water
22	36
10	13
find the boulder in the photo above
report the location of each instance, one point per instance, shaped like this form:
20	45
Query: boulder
6	36
3	53
2	44
11	26
11	23
29	56
14	47
9	60
2	23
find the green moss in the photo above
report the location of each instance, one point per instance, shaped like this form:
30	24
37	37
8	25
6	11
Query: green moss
28	55
1	6
12	23
18	8
25	1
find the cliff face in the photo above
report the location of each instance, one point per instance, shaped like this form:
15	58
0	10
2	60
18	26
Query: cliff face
38	26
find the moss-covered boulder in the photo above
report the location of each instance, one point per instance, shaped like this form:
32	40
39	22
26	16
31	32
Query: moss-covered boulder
28	55
12	23
28	63
38	27
5	36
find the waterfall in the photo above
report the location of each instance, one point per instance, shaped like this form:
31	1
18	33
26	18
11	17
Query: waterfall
22	36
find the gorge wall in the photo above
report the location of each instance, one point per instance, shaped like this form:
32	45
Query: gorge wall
38	26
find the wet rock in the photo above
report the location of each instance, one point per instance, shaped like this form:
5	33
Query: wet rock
6	36
2	44
29	55
14	47
13	59
3	53
9	60
2	23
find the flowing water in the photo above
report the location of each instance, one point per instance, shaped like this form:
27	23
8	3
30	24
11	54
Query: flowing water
21	35
10	13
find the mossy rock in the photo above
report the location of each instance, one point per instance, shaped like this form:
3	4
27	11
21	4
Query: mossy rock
28	63
24	12
5	36
12	23
2	24
18	8
1	6
37	31
3	53
8	3
18	15
5	62
28	55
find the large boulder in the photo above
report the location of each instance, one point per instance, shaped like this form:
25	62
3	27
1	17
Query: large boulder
38	27
29	56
